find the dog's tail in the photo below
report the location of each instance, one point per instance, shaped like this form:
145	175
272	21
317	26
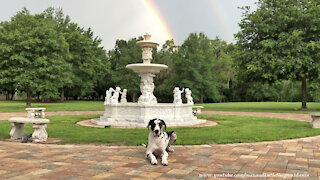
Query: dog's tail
144	145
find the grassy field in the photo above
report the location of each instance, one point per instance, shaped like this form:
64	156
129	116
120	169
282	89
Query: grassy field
280	107
276	107
19	106
231	129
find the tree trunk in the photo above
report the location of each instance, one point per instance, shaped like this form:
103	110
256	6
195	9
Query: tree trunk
12	95
304	92
201	98
28	97
7	95
62	94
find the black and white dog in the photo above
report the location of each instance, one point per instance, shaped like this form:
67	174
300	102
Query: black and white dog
159	142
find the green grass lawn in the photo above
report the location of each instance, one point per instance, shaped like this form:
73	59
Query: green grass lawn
231	129
19	106
280	107
276	107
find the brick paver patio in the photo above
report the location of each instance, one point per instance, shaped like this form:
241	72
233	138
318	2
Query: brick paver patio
39	161
298	157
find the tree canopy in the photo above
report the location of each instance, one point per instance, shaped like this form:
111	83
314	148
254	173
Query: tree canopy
125	52
50	57
46	54
33	55
280	41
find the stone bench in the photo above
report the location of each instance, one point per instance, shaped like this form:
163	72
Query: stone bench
39	125
32	112
198	109
315	120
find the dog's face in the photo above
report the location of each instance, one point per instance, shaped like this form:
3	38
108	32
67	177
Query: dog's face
156	126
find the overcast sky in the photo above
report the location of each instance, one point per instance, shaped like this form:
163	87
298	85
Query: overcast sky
125	19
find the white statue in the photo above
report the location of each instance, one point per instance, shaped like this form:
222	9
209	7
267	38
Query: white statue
188	96
108	96
124	96
115	96
177	96
146	88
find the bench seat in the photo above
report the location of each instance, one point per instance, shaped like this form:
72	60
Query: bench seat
28	120
198	111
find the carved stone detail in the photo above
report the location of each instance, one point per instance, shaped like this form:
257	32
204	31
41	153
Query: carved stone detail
177	96
146	88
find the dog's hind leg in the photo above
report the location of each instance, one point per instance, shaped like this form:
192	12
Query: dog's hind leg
173	138
164	158
152	158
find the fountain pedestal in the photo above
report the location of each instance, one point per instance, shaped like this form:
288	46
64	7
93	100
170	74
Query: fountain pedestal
138	115
147	108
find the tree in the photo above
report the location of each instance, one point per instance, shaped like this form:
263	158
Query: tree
193	66
33	55
125	52
164	81
223	67
88	59
280	41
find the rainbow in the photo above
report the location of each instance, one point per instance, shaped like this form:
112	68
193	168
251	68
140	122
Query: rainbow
157	17
221	16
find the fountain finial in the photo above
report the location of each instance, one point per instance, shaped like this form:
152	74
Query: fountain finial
147	36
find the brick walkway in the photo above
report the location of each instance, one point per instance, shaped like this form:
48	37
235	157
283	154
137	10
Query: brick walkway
278	158
38	161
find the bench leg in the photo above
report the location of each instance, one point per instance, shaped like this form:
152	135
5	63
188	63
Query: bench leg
39	134
198	110
17	131
315	122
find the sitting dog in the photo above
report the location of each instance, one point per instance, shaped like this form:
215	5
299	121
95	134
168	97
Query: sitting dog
159	142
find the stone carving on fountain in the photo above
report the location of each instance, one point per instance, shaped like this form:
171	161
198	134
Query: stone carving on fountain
139	114
108	96
112	96
115	96
124	96
146	88
177	96
188	96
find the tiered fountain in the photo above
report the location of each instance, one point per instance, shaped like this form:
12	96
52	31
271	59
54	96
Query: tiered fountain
139	114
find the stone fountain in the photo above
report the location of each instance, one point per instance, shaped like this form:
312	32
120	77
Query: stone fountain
139	114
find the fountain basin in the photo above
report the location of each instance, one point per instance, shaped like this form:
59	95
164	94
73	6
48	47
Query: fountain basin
138	115
147	43
142	68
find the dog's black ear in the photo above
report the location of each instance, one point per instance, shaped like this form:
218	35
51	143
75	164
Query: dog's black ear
150	123
163	123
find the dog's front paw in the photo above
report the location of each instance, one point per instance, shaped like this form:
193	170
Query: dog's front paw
154	162
164	162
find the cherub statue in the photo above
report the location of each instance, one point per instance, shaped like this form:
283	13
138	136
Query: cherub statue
177	95
123	96
188	96
108	96
115	96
